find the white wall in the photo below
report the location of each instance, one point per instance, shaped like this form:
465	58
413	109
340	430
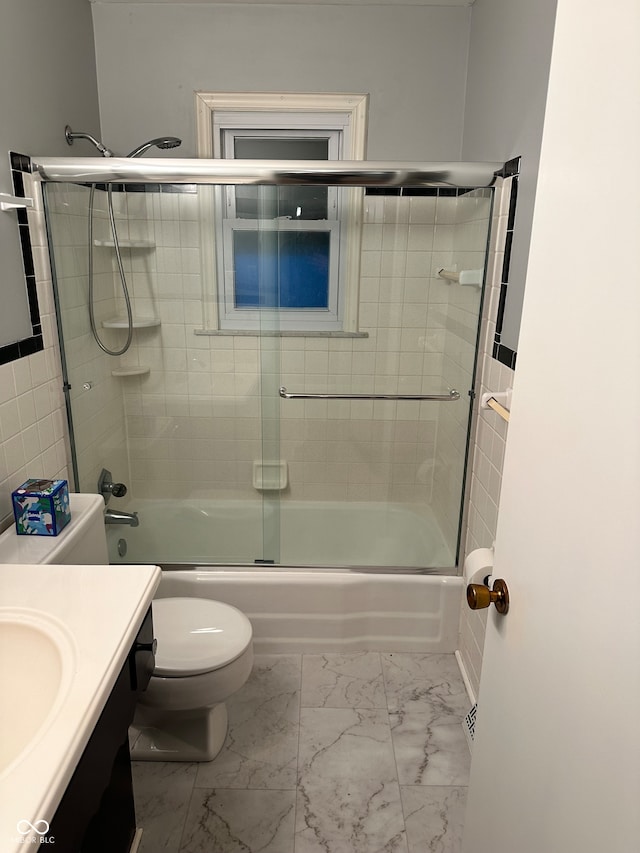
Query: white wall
557	736
509	56
49	75
49	79
411	59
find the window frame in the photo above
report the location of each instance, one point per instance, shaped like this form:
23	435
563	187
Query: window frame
219	113
303	319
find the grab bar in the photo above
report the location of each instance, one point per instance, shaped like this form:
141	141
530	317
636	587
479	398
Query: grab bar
450	397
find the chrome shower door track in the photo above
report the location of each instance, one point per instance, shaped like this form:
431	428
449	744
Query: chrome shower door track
346	173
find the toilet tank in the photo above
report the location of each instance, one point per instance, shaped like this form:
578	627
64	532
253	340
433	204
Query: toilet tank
82	542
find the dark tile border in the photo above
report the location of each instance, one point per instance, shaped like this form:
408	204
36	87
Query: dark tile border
418	191
503	354
147	188
21	164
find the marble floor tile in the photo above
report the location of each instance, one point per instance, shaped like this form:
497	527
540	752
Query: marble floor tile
335	753
434	818
343	681
345	743
262	742
237	821
429	683
357	816
162	791
348	795
428	754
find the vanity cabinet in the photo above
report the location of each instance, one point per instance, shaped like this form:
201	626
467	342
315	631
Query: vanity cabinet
96	813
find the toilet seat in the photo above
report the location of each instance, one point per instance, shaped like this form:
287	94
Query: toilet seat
197	635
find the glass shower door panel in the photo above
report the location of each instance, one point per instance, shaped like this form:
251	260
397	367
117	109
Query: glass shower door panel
172	418
379	482
94	397
220	468
207	387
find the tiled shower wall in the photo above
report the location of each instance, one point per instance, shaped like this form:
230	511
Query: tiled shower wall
98	406
32	417
194	421
460	320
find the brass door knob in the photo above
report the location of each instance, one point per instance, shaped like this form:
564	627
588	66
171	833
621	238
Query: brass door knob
480	596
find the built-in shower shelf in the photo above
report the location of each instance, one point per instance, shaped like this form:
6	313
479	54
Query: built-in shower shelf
126	244
134	370
138	323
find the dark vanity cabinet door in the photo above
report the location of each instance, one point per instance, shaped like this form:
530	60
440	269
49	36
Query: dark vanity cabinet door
96	814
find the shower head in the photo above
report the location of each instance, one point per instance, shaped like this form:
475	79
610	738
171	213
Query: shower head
70	136
162	142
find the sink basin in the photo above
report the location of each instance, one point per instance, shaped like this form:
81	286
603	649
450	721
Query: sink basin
36	663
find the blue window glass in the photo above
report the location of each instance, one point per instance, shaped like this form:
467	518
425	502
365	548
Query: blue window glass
281	269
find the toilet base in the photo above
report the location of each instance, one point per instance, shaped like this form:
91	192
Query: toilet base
180	735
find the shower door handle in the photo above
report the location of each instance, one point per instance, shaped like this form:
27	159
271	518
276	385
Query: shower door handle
445	398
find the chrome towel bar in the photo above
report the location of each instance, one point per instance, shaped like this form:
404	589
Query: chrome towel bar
450	397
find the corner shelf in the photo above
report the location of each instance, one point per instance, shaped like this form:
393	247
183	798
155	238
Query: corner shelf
134	370
126	244
138	323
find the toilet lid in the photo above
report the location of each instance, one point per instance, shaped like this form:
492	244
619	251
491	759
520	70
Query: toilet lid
197	635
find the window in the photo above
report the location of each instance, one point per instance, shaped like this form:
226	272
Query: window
290	249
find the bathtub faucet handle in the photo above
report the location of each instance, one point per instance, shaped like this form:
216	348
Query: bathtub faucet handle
106	486
118	490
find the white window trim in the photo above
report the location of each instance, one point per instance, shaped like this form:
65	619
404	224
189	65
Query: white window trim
347	111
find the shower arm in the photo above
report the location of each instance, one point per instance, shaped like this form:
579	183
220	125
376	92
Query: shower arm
71	136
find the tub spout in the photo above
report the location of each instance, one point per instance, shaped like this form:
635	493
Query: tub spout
116	516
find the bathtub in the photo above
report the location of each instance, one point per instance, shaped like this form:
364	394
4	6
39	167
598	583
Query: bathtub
295	533
299	607
317	611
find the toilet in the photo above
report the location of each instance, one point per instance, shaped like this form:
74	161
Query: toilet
204	648
204	655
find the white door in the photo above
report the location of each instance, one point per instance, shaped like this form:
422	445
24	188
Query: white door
556	764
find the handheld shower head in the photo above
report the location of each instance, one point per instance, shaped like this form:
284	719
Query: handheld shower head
70	136
162	142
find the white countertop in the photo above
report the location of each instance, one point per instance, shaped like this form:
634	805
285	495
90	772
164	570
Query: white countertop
99	610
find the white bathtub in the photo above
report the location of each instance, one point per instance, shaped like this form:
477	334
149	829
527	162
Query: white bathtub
296	533
306	608
331	611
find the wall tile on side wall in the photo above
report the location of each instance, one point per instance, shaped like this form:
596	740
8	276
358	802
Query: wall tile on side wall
32	416
489	433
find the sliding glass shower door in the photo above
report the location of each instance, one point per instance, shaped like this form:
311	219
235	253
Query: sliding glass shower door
297	387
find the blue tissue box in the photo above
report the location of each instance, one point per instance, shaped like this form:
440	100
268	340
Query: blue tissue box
41	507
